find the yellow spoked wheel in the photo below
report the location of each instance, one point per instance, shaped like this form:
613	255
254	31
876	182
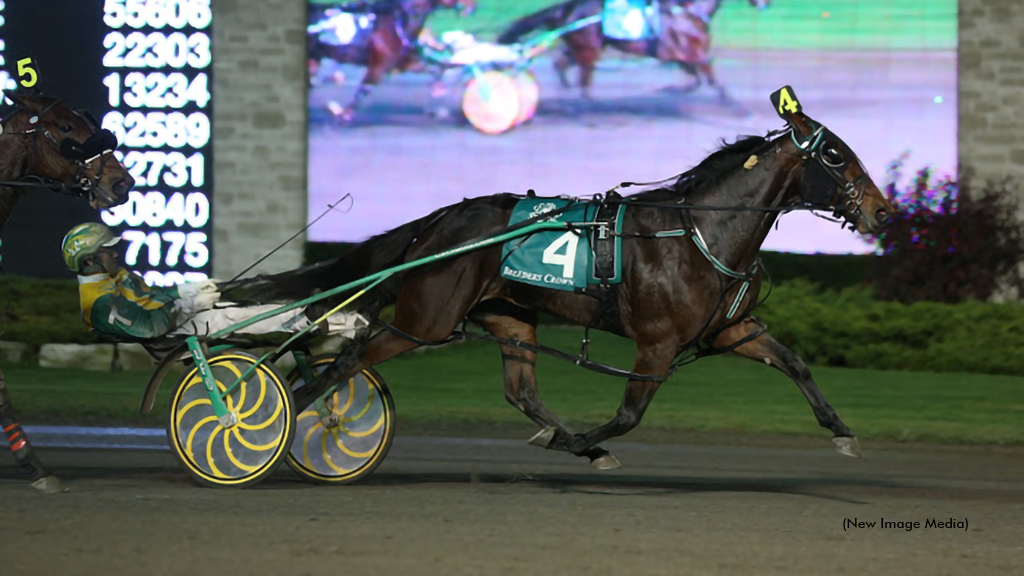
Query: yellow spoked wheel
353	449
244	453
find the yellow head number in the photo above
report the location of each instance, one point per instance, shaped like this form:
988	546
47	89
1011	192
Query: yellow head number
27	74
785	102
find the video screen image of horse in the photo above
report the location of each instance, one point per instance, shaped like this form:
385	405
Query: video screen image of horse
415	104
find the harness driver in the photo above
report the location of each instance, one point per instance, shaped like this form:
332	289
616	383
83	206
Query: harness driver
119	304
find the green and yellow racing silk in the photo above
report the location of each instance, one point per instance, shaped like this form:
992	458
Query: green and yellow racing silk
125	307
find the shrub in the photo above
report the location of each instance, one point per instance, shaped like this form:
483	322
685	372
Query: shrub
851	328
950	241
38	312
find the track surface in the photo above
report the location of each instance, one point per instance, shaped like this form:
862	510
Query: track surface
449	506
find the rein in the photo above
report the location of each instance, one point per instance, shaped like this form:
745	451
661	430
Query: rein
695	349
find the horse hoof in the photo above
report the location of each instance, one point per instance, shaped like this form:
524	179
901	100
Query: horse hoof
543	438
49	485
606	462
847	445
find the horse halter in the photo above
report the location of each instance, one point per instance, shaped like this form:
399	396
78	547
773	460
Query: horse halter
83	154
834	167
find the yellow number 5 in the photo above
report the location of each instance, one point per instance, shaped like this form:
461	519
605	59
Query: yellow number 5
787	102
25	70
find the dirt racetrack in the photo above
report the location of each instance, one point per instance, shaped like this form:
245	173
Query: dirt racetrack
451	506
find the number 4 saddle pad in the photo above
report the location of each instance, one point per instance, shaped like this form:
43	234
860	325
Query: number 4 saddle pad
566	259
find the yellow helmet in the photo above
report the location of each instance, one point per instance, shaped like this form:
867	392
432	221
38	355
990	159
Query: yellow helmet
85	240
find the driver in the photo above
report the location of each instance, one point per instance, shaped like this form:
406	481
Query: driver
119	304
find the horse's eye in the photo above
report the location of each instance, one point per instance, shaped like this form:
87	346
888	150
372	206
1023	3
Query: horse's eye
67	128
831	154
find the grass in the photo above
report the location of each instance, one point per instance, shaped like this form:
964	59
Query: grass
785	24
460	387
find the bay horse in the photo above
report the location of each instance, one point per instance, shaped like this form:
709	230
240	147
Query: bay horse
685	39
390	47
690	247
44	143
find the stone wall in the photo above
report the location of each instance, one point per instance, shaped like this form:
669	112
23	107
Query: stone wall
260	118
260	132
991	99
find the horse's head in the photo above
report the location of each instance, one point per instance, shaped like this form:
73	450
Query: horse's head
832	176
67	150
465	7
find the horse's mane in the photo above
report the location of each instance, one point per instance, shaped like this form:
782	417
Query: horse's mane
712	169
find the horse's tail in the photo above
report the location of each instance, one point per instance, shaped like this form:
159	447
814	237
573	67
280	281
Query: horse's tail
549	18
373	255
379	252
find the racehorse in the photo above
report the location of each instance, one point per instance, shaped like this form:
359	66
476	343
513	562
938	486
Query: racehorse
44	143
685	38
689	249
390	46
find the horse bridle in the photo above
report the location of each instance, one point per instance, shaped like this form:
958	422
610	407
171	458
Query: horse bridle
852	191
101	143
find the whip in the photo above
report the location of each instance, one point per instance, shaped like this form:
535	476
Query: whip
330	207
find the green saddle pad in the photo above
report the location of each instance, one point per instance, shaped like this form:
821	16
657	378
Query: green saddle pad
558	259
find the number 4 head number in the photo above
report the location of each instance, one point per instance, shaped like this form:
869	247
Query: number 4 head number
785	102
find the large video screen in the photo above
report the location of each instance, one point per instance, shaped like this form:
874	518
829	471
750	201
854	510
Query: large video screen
408	118
143	69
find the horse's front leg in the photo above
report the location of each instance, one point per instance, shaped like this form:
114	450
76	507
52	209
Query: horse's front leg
705	68
24	454
653	360
765	349
694	84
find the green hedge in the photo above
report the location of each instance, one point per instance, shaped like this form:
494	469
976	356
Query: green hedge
834	271
825	327
37	311
849	328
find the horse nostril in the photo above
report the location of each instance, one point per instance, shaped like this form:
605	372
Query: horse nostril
121	187
882	215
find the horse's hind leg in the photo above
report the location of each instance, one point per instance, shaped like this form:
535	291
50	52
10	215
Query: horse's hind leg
510	322
588	63
705	69
562	63
24	454
651	360
765	349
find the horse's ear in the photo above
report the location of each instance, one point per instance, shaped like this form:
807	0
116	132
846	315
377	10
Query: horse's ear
18	99
788	107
